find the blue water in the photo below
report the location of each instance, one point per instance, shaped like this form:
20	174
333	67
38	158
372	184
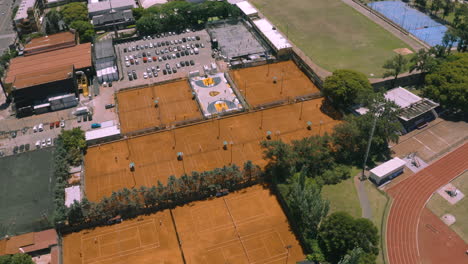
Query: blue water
416	22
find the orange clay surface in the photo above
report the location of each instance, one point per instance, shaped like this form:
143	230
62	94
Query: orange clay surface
137	108
256	83
247	226
144	240
155	155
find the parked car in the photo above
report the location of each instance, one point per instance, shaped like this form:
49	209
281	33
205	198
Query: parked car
62	123
38	144
43	143
35	129
95	125
79	119
57	123
13	134
108	106
192	62
49	142
21	148
27	147
51	125
15	150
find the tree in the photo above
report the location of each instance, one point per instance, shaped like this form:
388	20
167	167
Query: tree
353	257
350	138
85	30
74	143
75	11
53	19
335	175
18	258
448	7
340	233
421	3
395	66
450	37
447	83
436	5
423	61
343	87
280	158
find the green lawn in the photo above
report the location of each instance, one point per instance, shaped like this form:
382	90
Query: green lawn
440	206
333	34
343	196
378	203
26	192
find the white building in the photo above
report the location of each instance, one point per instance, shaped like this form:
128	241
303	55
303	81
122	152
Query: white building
279	43
102	135
247	9
387	170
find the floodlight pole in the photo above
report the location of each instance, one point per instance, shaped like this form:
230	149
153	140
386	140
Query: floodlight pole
219	127
261	118
369	143
232	144
300	115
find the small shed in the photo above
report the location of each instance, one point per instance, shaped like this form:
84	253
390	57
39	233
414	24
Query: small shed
387	170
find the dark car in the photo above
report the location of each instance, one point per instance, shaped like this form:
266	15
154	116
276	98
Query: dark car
159	44
184	40
21	148
178	55
164	57
182	53
182	63
15	150
164	71
85	118
125	50
108	106
174	70
187	63
197	45
179	48
134	75
27	147
130	77
169	71
197	37
167	43
192	62
90	117
13	134
187	52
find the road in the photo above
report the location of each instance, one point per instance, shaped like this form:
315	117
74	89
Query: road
7	34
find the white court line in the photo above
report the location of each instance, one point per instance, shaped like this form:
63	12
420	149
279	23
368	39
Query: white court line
424	145
441	139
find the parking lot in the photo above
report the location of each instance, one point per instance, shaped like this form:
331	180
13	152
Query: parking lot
161	58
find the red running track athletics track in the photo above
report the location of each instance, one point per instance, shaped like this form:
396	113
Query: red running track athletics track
409	199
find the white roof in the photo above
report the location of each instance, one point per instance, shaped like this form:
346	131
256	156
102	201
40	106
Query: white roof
246	8
71	194
95	7
148	3
273	35
402	97
102	133
23	9
388	167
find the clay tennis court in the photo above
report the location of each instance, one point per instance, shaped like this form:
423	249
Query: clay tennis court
155	155
147	240
137	107
247	226
415	235
257	86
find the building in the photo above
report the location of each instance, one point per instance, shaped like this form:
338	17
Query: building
52	42
47	81
113	20
42	246
102	135
148	3
415	112
387	171
277	41
28	18
105	61
247	9
96	7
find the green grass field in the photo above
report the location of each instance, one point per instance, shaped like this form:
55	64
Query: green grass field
343	196
440	206
333	34
26	192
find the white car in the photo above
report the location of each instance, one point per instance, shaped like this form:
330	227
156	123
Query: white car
43	143
38	144
62	124
35	129
49	142
127	63
145	75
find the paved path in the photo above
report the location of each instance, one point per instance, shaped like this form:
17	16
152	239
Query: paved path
409	199
414	44
363	198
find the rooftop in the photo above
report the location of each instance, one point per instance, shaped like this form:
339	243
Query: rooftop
50	40
247	8
42	76
102	133
148	3
412	105
101	6
29	242
72	194
273	35
118	16
79	56
104	49
388	167
22	12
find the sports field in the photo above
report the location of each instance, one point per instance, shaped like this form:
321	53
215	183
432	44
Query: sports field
155	155
26	192
137	107
333	34
258	86
243	227
147	239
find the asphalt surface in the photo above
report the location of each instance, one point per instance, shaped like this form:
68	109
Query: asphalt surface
7	34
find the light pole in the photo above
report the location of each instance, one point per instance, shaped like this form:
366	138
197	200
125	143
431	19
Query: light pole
302	105
369	143
232	144
288	247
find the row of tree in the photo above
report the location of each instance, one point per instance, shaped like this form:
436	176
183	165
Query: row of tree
73	15
179	15
69	149
128	203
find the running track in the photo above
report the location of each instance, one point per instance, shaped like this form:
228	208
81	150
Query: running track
409	199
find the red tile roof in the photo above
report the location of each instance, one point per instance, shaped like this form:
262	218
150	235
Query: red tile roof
28	242
79	56
43	76
50	42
